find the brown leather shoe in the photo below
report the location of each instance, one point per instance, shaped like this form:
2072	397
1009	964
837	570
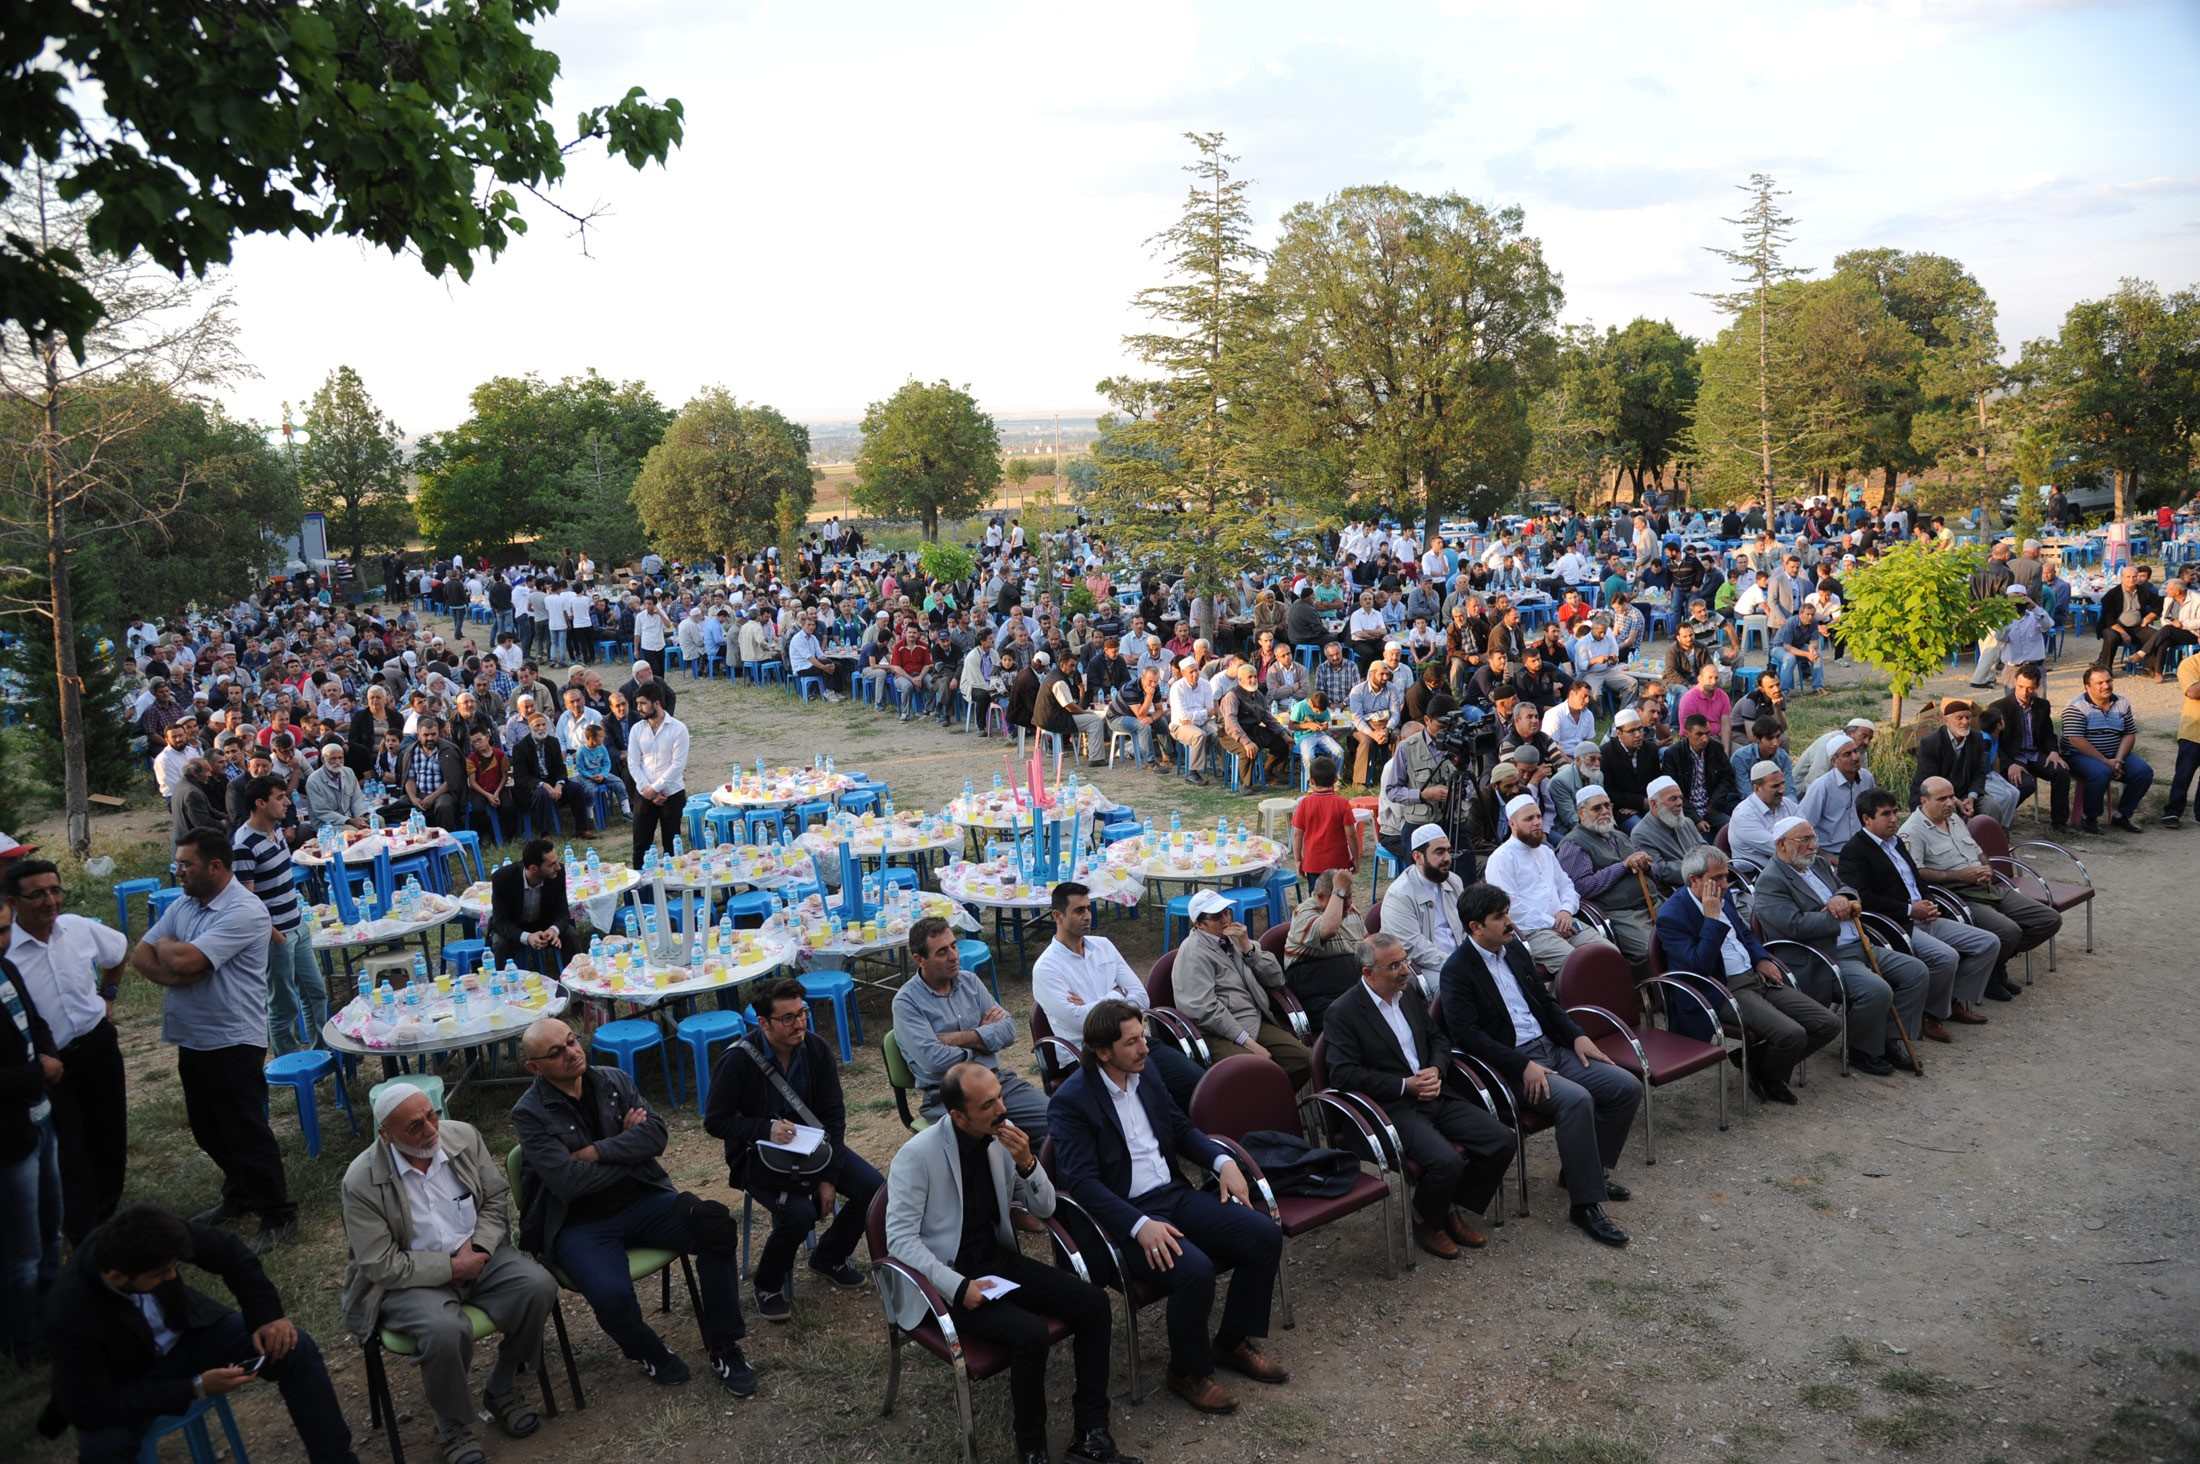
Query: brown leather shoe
1934	1032
1459	1229
1204	1394
1252	1362
1966	1016
1436	1240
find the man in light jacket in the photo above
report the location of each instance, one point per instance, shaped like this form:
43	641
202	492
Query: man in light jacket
1421	907
1223	982
331	793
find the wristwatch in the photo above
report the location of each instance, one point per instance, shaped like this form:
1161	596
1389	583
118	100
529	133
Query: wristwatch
198	1385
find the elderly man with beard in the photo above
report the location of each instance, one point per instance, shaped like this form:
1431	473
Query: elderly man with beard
1749	831
1668	835
1798	897
1585	770
1833	804
1817	759
1596	857
1544	900
428	1219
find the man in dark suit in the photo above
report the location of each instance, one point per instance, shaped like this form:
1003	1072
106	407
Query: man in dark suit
1700	929
1116	1143
2128	612
1960	957
2029	745
1496	1009
1955	751
544	782
527	909
1705	774
114	1373
1380	1042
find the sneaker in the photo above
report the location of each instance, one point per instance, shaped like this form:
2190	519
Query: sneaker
733	1370
2169	821
845	1275
665	1370
773	1306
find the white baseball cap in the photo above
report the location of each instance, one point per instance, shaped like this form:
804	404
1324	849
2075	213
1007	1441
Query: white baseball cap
1208	902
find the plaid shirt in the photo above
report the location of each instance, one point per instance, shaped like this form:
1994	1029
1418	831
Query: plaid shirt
1336	682
426	770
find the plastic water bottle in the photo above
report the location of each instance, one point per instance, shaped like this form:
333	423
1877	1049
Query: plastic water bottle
385	998
366	989
649	861
568	855
420	971
970	789
374	823
725	932
679	845
1176	822
595	861
458	1007
996	782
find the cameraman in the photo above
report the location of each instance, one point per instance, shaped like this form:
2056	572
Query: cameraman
1417	782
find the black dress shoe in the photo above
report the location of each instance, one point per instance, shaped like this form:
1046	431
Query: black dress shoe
2000	990
1869	1062
1589	1219
1614	1190
1097	1447
2123	821
1773	1090
1901	1059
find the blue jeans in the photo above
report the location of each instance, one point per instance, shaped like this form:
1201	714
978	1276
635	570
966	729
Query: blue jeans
593	1255
2093	776
301	1376
1141	737
1790	668
30	1236
295	986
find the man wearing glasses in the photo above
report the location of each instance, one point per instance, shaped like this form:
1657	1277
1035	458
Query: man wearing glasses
70	967
778	1078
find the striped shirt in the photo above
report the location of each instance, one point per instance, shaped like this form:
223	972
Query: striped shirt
263	861
2103	728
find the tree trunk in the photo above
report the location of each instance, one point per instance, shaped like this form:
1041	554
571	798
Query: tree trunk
1428	509
1898	711
76	793
931	524
2121	480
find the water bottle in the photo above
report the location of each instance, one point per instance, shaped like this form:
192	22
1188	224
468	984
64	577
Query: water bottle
970	790
595	950
458	1007
374	823
568	855
595	861
679	845
649	861
385	998
496	990
725	932
760	770
420	971
366	989
1176	822
511	972
996	782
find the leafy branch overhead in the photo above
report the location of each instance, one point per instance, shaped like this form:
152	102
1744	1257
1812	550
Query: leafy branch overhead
411	124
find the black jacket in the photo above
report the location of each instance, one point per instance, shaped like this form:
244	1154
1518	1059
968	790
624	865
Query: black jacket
366	735
1878	884
1718	773
744	1103
658	687
1628	775
541	760
103	1349
192	809
1475	1014
505	891
22	1082
1363	1053
1937	757
2112	604
2044	737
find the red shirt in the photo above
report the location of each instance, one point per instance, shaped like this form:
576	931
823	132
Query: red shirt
1324	821
910	659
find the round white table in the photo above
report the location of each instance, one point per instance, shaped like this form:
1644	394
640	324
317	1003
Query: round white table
738	866
1202	861
879	838
426	1033
758	953
781	788
434	910
997	886
998	810
362	851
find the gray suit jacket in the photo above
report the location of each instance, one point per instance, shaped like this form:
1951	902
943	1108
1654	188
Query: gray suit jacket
1786	908
924	1214
378	1223
1666	848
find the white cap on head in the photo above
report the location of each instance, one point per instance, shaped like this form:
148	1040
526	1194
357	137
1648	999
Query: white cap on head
2017	592
1041	658
1188	661
1788	826
1759	771
1208	902
1841	743
1521	803
641	666
1586	747
392	1094
1428	834
1865	723
1629	717
1661	785
1591	794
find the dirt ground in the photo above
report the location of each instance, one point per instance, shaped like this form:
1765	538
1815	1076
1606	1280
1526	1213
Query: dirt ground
1994	1261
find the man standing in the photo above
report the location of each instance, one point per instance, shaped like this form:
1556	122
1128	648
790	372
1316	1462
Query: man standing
1078	970
31	1194
1416	783
428	1226
948	1201
649	677
657	754
1224	983
1947	855
70	967
208	952
943	1015
296	987
527	909
595	1190
1526	868
1382	1043
1421	907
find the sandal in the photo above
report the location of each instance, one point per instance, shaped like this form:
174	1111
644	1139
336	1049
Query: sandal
513	1415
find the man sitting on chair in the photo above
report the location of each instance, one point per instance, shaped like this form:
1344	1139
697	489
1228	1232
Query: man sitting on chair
1116	1143
1225	982
944	1015
1079	969
527	910
948	1194
428	1219
775	1077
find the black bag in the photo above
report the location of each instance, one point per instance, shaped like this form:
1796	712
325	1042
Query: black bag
1295	1167
779	1161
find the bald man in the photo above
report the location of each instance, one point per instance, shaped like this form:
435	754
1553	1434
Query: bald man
1940	843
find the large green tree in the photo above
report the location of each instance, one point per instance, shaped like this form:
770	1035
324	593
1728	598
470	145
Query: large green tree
1857	373
725	478
1952	428
1573	420
2120	388
414	125
510	470
1654	378
1749	392
928	453
352	467
1416	331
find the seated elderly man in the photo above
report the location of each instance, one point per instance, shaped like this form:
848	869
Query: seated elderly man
1421	906
1947	856
1798	897
1584	769
1223	982
1749	831
1667	834
594	1189
1818	757
1607	869
944	1015
331	793
1701	929
1834	804
1544	901
1321	955
1877	866
428	1220
1383	1042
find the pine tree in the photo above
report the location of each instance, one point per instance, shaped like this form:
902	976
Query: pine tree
110	766
1759	265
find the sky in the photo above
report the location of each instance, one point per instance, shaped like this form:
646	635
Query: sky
870	192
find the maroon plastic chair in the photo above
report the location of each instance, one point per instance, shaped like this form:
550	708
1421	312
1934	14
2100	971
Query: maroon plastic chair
1243	1093
1372	917
1101	1262
973	1360
1597	990
1057	1058
2025	878
1368	1133
1181	1030
1273	938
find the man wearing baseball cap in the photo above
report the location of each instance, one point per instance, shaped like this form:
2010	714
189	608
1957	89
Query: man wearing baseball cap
1224	982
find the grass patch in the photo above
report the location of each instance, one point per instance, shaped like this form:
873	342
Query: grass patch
1293	1425
1827	1397
1917	1382
1516	1446
1914	1427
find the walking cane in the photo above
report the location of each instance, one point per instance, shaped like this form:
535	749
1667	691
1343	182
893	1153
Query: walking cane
1863	937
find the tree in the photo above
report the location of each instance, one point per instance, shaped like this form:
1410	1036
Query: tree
2123	382
1909	611
222	541
2033	462
1572	421
949	564
1760	368
592	507
70	424
408	124
1959	367
110	767
1654	378
1417	330
928	453
1184	473
353	466
725	478
1855	381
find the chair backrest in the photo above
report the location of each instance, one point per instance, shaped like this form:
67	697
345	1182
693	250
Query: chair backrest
1597	975
1161	980
1272	940
1991	837
903	1081
514	1172
1372	917
1243	1093
1320	1077
874	1227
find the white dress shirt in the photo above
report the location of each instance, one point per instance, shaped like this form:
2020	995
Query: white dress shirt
168	768
1526	1028
1566	727
1394	1017
658	755
1149	1171
1067	986
63	974
1190	704
442	1212
1538	885
804	651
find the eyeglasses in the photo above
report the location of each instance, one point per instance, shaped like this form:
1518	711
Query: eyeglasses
45	892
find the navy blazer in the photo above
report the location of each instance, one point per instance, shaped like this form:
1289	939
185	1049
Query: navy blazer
1692	943
1092	1159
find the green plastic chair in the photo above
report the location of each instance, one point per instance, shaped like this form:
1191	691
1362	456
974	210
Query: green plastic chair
904	1081
640	1264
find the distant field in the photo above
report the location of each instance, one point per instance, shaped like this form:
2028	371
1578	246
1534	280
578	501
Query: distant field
832	492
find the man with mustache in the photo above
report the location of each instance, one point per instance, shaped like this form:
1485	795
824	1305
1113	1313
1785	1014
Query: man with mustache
1606	869
1544	900
1667	834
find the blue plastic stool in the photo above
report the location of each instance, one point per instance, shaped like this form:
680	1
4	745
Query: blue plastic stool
726	827
469	848
1117	833
1245	899
859	800
900	876
123	892
1385	860
838	988
977	958
699	1032
157	905
622	1041
1178	908
1121	813
1281	886
466	954
693	813
806	681
804	812
753	905
427	1083
765	825
192	1426
303	1071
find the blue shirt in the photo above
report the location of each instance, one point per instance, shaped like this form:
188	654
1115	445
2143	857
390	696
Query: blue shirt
227	1007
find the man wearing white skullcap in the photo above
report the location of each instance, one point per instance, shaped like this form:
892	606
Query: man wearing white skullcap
1421	907
1749	833
1830	805
1191	717
1667	834
1598	859
1544	900
1818	757
429	1221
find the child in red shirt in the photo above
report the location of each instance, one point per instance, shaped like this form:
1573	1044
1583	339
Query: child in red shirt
1324	832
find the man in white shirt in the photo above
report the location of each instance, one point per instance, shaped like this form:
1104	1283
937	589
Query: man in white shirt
1749	833
806	654
650	629
178	749
1597	656
1544	901
557	618
1191	717
1571	721
657	755
1078	970
1421	907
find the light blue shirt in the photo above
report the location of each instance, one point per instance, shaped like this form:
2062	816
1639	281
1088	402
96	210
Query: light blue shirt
227	1007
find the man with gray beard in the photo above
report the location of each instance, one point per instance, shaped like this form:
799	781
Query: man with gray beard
1604	869
1666	834
1566	785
